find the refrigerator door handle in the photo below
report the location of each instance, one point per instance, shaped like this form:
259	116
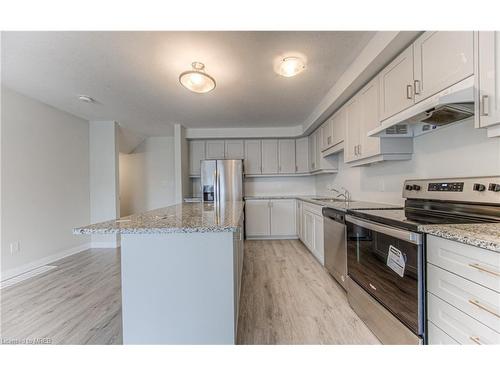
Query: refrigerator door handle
215	185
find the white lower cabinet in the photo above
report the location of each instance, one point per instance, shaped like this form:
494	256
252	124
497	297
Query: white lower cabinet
312	228
283	218
463	293
257	218
270	218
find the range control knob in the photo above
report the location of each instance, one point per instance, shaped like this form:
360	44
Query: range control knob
494	187
479	187
416	187
409	187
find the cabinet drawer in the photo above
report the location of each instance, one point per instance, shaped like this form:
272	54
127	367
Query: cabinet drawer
438	337
316	209
458	325
475	264
481	303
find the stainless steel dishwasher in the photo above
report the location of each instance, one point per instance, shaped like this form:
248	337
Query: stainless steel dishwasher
335	244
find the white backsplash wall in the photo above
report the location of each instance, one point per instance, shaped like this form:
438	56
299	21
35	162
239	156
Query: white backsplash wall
456	151
260	186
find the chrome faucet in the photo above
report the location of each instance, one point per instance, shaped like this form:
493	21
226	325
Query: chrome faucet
345	193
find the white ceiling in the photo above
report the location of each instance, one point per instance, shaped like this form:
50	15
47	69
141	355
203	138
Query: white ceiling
134	75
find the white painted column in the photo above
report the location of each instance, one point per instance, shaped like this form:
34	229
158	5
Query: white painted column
104	178
181	156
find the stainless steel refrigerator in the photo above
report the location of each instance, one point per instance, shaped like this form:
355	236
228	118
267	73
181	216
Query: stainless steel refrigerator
221	180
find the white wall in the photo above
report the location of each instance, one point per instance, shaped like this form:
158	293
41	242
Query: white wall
304	185
45	181
104	182
147	176
456	151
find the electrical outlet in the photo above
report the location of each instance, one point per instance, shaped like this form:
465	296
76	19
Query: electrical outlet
15	247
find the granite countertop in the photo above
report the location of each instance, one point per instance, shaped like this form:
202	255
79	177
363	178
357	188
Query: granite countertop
485	235
340	205
181	218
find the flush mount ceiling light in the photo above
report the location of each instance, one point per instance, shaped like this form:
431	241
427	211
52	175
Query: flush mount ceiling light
197	80
291	66
86	99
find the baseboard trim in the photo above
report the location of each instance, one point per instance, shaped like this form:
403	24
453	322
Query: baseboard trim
272	238
43	261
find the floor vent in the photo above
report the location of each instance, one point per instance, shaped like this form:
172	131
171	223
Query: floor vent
25	276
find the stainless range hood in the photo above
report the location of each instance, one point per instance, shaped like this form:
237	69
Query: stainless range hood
454	104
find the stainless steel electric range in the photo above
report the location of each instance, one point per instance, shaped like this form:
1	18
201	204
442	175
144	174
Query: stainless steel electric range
386	251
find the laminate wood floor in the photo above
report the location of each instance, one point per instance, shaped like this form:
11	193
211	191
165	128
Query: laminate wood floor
287	298
79	302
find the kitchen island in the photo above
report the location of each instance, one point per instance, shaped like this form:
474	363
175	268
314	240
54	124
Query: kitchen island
181	272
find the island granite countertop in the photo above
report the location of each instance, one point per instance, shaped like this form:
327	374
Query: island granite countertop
484	235
180	218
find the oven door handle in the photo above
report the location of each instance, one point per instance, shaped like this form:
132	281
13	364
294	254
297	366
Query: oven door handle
404	235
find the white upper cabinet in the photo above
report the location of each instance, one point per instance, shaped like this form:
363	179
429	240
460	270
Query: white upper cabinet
326	134
286	156
396	85
269	156
362	115
234	149
302	155
196	155
215	149
253	155
488	79
441	59
354	118
338	126
313	151
369	98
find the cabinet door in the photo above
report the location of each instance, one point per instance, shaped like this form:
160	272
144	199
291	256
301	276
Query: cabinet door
338	126
286	156
369	146
308	222
283	217
196	155
234	149
488	78
354	120
298	218
253	154
302	155
269	156
396	85
257	218
326	134
441	59
215	149
317	154
319	250
312	152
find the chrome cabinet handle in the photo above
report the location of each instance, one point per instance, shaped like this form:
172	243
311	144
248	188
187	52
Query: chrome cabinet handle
409	91
416	86
475	339
485	100
329	139
477	304
481	268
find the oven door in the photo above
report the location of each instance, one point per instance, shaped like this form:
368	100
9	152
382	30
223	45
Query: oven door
387	263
